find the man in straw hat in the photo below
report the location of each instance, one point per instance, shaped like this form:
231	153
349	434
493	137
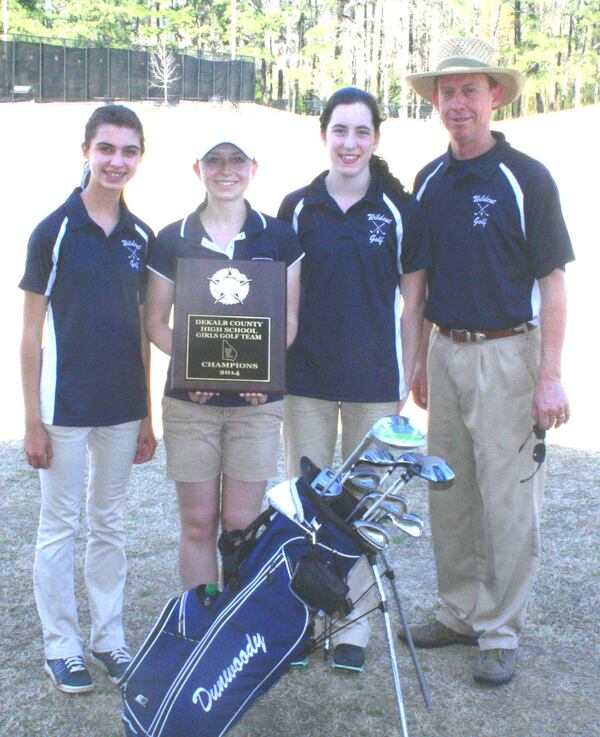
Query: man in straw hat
497	304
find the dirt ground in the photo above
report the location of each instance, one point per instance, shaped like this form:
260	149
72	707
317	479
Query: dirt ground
554	694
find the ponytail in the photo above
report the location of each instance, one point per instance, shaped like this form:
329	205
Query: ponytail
380	168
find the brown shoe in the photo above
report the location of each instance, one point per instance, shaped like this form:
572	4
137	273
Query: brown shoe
436	635
495	667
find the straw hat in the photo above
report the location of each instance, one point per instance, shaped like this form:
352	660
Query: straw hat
468	56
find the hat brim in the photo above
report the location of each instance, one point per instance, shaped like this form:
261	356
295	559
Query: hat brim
232	141
511	80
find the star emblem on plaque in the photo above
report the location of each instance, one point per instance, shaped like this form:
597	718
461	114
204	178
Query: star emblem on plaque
229	286
229	326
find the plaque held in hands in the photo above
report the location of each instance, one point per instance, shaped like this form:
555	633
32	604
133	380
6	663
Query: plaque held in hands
229	326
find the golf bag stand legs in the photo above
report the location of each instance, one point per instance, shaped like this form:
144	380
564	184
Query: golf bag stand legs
390	575
390	640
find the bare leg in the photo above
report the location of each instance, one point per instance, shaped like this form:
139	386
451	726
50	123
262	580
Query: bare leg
199	515
242	501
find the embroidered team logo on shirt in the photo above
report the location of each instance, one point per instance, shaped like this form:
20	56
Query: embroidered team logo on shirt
133	249
379	231
481	214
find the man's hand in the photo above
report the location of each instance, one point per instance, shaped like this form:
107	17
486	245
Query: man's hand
146	444
550	406
419	386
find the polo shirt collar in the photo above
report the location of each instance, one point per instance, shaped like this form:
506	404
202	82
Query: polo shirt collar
483	166
317	193
79	217
193	229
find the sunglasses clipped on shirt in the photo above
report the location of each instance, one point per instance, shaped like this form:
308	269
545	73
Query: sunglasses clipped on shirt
539	449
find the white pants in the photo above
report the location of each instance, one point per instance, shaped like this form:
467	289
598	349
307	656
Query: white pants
310	428
111	452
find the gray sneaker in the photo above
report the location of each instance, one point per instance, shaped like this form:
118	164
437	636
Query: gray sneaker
436	634
495	667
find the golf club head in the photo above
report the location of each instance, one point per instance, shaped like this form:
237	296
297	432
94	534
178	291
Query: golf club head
408	459
433	469
391	509
326	484
362	480
409	523
396	431
376	457
364	503
374	534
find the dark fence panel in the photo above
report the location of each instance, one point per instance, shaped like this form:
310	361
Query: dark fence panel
55	72
190	78
25	67
76	74
119	74
97	74
139	75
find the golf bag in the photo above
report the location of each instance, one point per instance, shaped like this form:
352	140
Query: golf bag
203	665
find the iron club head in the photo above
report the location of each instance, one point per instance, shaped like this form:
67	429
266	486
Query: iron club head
375	535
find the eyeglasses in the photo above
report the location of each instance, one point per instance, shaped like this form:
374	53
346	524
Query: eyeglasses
539	450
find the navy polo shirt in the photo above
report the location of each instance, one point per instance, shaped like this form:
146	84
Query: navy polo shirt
495	227
262	238
92	369
348	346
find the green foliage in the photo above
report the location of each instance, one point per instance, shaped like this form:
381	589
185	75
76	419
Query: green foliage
309	47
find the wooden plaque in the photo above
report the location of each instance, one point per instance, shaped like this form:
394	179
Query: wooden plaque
229	326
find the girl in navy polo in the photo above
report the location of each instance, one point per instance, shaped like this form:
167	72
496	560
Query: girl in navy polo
221	449
86	412
362	298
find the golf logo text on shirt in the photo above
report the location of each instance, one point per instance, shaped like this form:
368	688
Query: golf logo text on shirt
134	253
378	231
481	213
229	286
206	697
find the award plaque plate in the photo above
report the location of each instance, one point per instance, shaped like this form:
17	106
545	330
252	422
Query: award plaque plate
229	326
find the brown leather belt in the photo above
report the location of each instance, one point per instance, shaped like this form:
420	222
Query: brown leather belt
480	336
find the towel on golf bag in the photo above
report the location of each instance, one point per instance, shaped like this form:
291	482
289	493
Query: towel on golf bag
201	667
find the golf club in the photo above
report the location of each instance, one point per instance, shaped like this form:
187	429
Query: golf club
394	431
433	469
373	534
362	480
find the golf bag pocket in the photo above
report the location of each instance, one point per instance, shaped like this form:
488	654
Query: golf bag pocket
200	670
320	587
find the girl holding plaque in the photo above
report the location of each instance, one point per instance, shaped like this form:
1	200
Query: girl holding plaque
366	255
85	394
221	448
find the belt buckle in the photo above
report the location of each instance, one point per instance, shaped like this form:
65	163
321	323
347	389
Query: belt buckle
470	336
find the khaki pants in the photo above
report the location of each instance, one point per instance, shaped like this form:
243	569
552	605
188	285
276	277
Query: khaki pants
109	452
486	527
310	428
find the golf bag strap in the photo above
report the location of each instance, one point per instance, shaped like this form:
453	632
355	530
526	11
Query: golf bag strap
234	546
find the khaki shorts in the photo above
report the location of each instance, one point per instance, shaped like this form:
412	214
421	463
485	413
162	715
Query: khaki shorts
203	441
